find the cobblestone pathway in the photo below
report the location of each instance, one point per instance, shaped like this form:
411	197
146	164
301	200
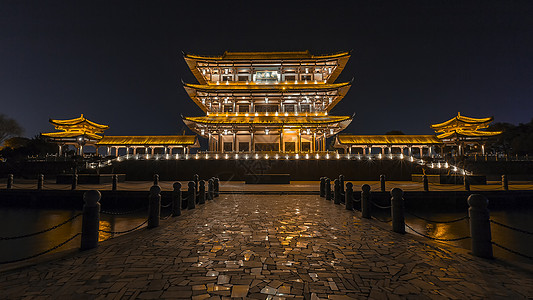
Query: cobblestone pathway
271	247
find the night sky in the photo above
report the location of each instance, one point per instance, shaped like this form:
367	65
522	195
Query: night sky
414	63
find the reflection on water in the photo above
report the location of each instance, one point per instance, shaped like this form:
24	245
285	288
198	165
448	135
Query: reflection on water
16	221
519	218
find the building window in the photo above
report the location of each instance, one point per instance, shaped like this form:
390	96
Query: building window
289	107
290	77
266	108
227	78
306	77
244	146
290	146
243	77
306	146
266	147
228	146
228	108
244	108
305	107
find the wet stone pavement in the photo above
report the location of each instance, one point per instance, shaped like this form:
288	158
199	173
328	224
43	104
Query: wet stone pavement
268	247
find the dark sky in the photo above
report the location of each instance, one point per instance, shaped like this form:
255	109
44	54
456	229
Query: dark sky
119	62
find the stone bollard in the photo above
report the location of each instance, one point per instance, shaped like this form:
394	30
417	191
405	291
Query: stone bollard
210	189
480	226
114	184
196	179
505	183
176	199
217	187
9	181
201	192
397	210
156	179
74	181
328	189
154	206
341	184
348	196
382	181
426	182
336	191
191	195
466	181
365	202
40	181
90	223
322	187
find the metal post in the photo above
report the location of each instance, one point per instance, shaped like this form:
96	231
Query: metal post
216	187
466	181
154	206
336	192
91	220
382	181
397	210
201	192
348	196
115	182
328	189
480	226
365	202
40	181
191	196
322	187
505	183
156	179
426	182
176	199
74	181
210	189
9	181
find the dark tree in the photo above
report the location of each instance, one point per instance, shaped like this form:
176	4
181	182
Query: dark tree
9	127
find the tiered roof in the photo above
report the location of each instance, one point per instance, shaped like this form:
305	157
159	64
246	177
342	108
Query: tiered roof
76	127
462	126
268	120
169	140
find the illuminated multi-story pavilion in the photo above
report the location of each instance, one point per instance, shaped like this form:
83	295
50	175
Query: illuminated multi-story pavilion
461	131
267	101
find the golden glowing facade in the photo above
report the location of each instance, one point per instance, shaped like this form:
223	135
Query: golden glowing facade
267	101
460	131
81	132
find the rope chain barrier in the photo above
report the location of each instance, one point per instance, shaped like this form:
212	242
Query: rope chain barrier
41	253
440	222
42	231
125	231
123	212
379	206
165	206
355	200
166	217
436	239
512	251
512	228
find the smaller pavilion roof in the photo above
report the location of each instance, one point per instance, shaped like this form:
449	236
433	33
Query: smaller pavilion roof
345	139
168	140
461	122
468	133
71	134
78	124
